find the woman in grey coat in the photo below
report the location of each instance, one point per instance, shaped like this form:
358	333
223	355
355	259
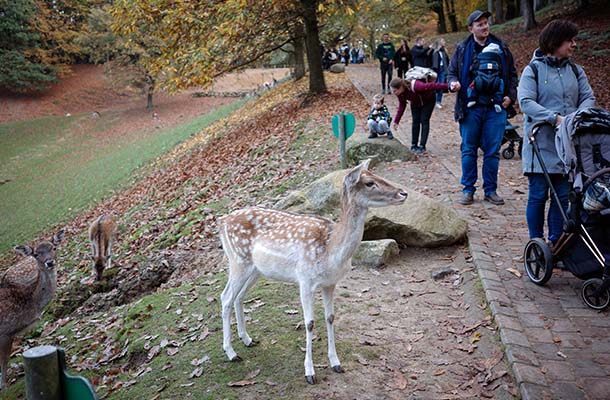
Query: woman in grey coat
551	87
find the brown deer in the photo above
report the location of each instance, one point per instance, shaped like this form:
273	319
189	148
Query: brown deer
308	250
102	234
22	298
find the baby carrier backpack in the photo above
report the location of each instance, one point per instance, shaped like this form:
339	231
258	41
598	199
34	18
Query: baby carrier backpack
421	74
487	77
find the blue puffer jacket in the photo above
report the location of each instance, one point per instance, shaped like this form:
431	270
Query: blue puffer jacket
556	91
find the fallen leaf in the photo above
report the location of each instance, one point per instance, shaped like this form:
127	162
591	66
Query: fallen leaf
399	381
241	383
153	352
291	312
475	337
439	371
196	372
515	272
374	311
253	374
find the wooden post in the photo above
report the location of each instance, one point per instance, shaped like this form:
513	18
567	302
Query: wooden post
42	373
342	139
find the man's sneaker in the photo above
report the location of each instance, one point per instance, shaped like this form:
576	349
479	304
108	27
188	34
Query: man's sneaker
494	199
467	199
414	149
390	136
439	105
373	135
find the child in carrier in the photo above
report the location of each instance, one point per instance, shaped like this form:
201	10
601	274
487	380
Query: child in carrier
487	86
378	120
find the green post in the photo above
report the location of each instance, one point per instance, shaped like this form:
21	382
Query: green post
41	373
342	139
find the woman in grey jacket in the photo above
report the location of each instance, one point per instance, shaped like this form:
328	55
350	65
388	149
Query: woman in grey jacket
551	87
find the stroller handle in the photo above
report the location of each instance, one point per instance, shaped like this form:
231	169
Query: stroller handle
536	128
595	176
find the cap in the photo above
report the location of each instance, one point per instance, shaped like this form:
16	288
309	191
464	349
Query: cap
476	15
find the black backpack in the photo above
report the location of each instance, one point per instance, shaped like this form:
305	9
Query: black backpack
487	73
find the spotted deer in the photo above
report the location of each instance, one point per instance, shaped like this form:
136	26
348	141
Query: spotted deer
23	296
308	250
102	233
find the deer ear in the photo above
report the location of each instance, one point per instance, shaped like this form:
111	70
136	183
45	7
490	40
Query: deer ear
23	250
353	176
58	237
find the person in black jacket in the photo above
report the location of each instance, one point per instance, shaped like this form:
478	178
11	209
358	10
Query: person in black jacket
385	53
403	59
422	54
440	64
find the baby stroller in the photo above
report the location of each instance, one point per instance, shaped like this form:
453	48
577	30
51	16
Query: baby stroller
512	137
583	144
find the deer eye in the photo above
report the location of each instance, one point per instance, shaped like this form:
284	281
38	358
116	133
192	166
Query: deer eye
370	184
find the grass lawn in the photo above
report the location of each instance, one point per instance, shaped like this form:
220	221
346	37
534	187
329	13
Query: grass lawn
54	167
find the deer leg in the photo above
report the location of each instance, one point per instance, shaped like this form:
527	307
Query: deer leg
5	353
327	296
307	304
234	285
239	311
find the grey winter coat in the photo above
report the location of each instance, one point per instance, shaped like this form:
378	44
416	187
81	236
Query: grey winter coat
556	91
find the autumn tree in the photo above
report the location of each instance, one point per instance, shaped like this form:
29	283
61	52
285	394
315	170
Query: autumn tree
529	20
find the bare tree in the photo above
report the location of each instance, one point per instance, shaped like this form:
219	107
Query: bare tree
529	20
499	12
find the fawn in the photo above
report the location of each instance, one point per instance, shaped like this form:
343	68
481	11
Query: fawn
102	233
23	298
308	250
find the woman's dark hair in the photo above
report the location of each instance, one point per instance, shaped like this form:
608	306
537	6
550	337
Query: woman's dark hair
397	83
555	33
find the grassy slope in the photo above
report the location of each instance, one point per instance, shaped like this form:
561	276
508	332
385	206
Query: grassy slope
57	168
148	321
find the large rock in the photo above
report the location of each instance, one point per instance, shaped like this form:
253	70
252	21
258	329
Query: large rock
375	253
337	68
419	222
359	147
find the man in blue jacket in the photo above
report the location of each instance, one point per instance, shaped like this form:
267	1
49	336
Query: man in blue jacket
482	125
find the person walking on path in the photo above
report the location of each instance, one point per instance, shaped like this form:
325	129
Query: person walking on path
551	87
403	59
440	64
422	97
422	55
385	54
481	125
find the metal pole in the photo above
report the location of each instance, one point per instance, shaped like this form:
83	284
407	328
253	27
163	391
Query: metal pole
342	139
42	373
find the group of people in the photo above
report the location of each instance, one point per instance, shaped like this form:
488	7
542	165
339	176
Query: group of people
345	54
482	73
402	59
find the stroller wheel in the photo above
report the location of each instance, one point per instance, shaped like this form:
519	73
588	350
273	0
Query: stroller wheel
538	261
508	153
596	301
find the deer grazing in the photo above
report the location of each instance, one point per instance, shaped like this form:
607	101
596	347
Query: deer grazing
22	298
308	250
102	233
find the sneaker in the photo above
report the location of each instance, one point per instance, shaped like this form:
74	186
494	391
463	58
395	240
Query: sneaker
439	105
373	135
417	150
390	136
414	149
467	199
422	149
494	199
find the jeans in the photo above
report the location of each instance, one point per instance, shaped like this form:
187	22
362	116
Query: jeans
539	193
440	79
421	118
380	127
481	127
386	70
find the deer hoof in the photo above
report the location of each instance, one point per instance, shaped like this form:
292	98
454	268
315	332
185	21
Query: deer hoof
311	379
339	369
253	343
236	359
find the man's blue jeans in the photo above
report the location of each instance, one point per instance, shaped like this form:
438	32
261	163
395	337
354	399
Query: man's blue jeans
539	193
481	127
440	79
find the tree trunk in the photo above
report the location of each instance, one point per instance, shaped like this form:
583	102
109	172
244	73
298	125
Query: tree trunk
437	7
151	89
499	12
527	8
312	44
451	15
511	10
490	8
372	46
299	49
